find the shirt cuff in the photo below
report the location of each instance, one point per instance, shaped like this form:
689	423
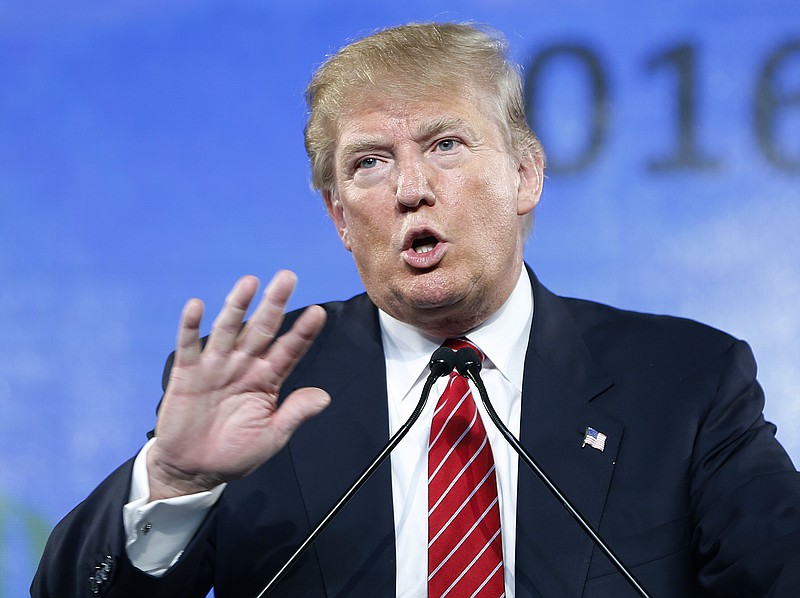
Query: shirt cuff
158	532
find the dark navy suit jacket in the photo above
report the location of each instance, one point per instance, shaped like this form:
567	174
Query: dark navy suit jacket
692	491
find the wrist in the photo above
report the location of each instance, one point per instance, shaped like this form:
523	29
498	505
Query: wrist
168	481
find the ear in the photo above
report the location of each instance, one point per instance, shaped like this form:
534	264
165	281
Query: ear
531	180
336	212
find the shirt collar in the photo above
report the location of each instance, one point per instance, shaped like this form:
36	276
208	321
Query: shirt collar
503	338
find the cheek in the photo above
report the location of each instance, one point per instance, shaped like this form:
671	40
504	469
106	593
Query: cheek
365	221
493	213
494	197
368	233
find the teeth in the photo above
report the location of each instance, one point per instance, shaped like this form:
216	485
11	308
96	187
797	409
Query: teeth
425	248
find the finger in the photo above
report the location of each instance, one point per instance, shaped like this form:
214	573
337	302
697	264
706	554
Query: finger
228	324
299	406
291	346
187	350
261	329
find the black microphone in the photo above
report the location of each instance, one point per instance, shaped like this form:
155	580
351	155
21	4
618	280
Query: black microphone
468	364
441	364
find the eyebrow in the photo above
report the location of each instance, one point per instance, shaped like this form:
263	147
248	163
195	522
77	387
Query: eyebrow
360	145
423	132
436	126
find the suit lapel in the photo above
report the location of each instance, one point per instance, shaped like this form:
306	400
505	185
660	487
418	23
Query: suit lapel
356	552
560	381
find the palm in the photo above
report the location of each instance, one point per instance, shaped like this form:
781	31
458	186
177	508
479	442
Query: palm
220	419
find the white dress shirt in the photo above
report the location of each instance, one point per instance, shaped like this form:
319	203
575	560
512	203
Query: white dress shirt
158	532
503	339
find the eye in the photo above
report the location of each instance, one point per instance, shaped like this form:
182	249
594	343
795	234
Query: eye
446	145
367	163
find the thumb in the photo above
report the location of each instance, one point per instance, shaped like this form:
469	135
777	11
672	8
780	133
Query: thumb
300	405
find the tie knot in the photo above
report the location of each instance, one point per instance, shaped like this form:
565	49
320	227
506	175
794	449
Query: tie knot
461	343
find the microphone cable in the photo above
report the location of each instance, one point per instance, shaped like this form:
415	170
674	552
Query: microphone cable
441	364
468	364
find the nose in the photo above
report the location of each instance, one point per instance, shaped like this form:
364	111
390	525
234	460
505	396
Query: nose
414	185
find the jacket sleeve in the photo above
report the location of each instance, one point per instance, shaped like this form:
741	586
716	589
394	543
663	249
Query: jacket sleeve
85	554
745	493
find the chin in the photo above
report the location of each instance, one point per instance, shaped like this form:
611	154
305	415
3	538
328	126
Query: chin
432	290
423	292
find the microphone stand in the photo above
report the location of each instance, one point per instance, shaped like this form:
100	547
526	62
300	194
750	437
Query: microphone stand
469	364
441	363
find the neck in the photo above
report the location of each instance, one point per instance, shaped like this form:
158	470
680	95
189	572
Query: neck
462	316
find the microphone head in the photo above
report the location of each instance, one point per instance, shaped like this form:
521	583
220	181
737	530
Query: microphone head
442	361
467	359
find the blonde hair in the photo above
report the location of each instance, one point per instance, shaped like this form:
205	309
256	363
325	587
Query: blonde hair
409	60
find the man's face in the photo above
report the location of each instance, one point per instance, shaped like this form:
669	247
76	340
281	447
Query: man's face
429	199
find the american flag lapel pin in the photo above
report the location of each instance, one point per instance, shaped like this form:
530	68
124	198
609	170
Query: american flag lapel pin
594	439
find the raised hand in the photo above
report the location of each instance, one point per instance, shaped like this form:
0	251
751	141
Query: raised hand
219	419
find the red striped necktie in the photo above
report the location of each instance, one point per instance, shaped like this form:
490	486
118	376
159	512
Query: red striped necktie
465	550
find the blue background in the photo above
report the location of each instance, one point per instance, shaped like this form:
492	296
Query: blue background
151	152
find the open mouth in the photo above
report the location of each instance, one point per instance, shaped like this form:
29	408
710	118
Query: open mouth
424	248
424	244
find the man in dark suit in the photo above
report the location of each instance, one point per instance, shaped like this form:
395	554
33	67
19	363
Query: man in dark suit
652	425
